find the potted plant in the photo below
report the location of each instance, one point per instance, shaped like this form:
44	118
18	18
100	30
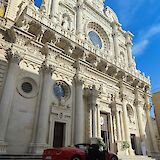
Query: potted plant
125	145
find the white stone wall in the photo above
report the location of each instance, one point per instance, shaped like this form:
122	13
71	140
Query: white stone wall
102	80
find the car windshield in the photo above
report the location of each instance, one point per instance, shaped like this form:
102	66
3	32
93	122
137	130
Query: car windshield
83	146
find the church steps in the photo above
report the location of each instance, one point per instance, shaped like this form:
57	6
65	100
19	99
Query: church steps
21	157
135	158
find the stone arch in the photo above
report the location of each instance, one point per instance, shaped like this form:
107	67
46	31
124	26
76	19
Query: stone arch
93	26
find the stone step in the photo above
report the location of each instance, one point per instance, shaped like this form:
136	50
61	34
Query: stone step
135	158
21	157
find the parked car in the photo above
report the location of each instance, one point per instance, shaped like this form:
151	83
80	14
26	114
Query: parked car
78	152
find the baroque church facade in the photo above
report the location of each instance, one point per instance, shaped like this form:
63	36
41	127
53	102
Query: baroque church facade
67	75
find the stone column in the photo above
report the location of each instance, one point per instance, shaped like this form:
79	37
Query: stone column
138	106
126	125
79	111
93	105
7	95
111	123
112	134
115	27
122	127
79	18
114	126
54	8
48	6
98	122
129	44
140	120
94	122
151	130
44	108
119	137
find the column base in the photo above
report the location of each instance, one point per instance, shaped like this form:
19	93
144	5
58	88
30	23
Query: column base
131	152
3	147
38	148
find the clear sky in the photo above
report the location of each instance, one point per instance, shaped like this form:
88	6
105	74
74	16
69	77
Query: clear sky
142	18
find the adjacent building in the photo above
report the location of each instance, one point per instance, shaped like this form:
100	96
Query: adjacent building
67	75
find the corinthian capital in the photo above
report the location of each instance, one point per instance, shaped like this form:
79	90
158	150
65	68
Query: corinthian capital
47	68
13	57
78	80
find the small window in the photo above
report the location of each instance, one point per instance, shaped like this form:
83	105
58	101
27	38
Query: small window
27	87
95	39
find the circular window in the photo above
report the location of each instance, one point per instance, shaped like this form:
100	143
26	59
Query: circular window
95	39
27	87
61	90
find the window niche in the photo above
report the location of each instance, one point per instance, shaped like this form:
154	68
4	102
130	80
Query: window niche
3	7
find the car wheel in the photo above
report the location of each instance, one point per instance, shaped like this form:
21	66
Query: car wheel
76	158
114	158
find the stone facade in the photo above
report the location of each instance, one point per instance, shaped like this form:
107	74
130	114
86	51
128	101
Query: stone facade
67	75
156	103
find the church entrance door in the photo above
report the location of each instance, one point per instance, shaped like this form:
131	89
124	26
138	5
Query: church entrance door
133	142
58	140
105	129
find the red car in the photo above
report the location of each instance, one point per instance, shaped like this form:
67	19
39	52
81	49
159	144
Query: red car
78	152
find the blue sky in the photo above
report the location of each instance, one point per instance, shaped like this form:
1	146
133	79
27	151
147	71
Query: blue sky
142	18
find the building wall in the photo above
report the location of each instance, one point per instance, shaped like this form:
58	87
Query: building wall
69	81
156	103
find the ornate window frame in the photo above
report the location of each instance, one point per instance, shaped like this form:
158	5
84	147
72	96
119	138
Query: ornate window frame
66	88
93	26
33	93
